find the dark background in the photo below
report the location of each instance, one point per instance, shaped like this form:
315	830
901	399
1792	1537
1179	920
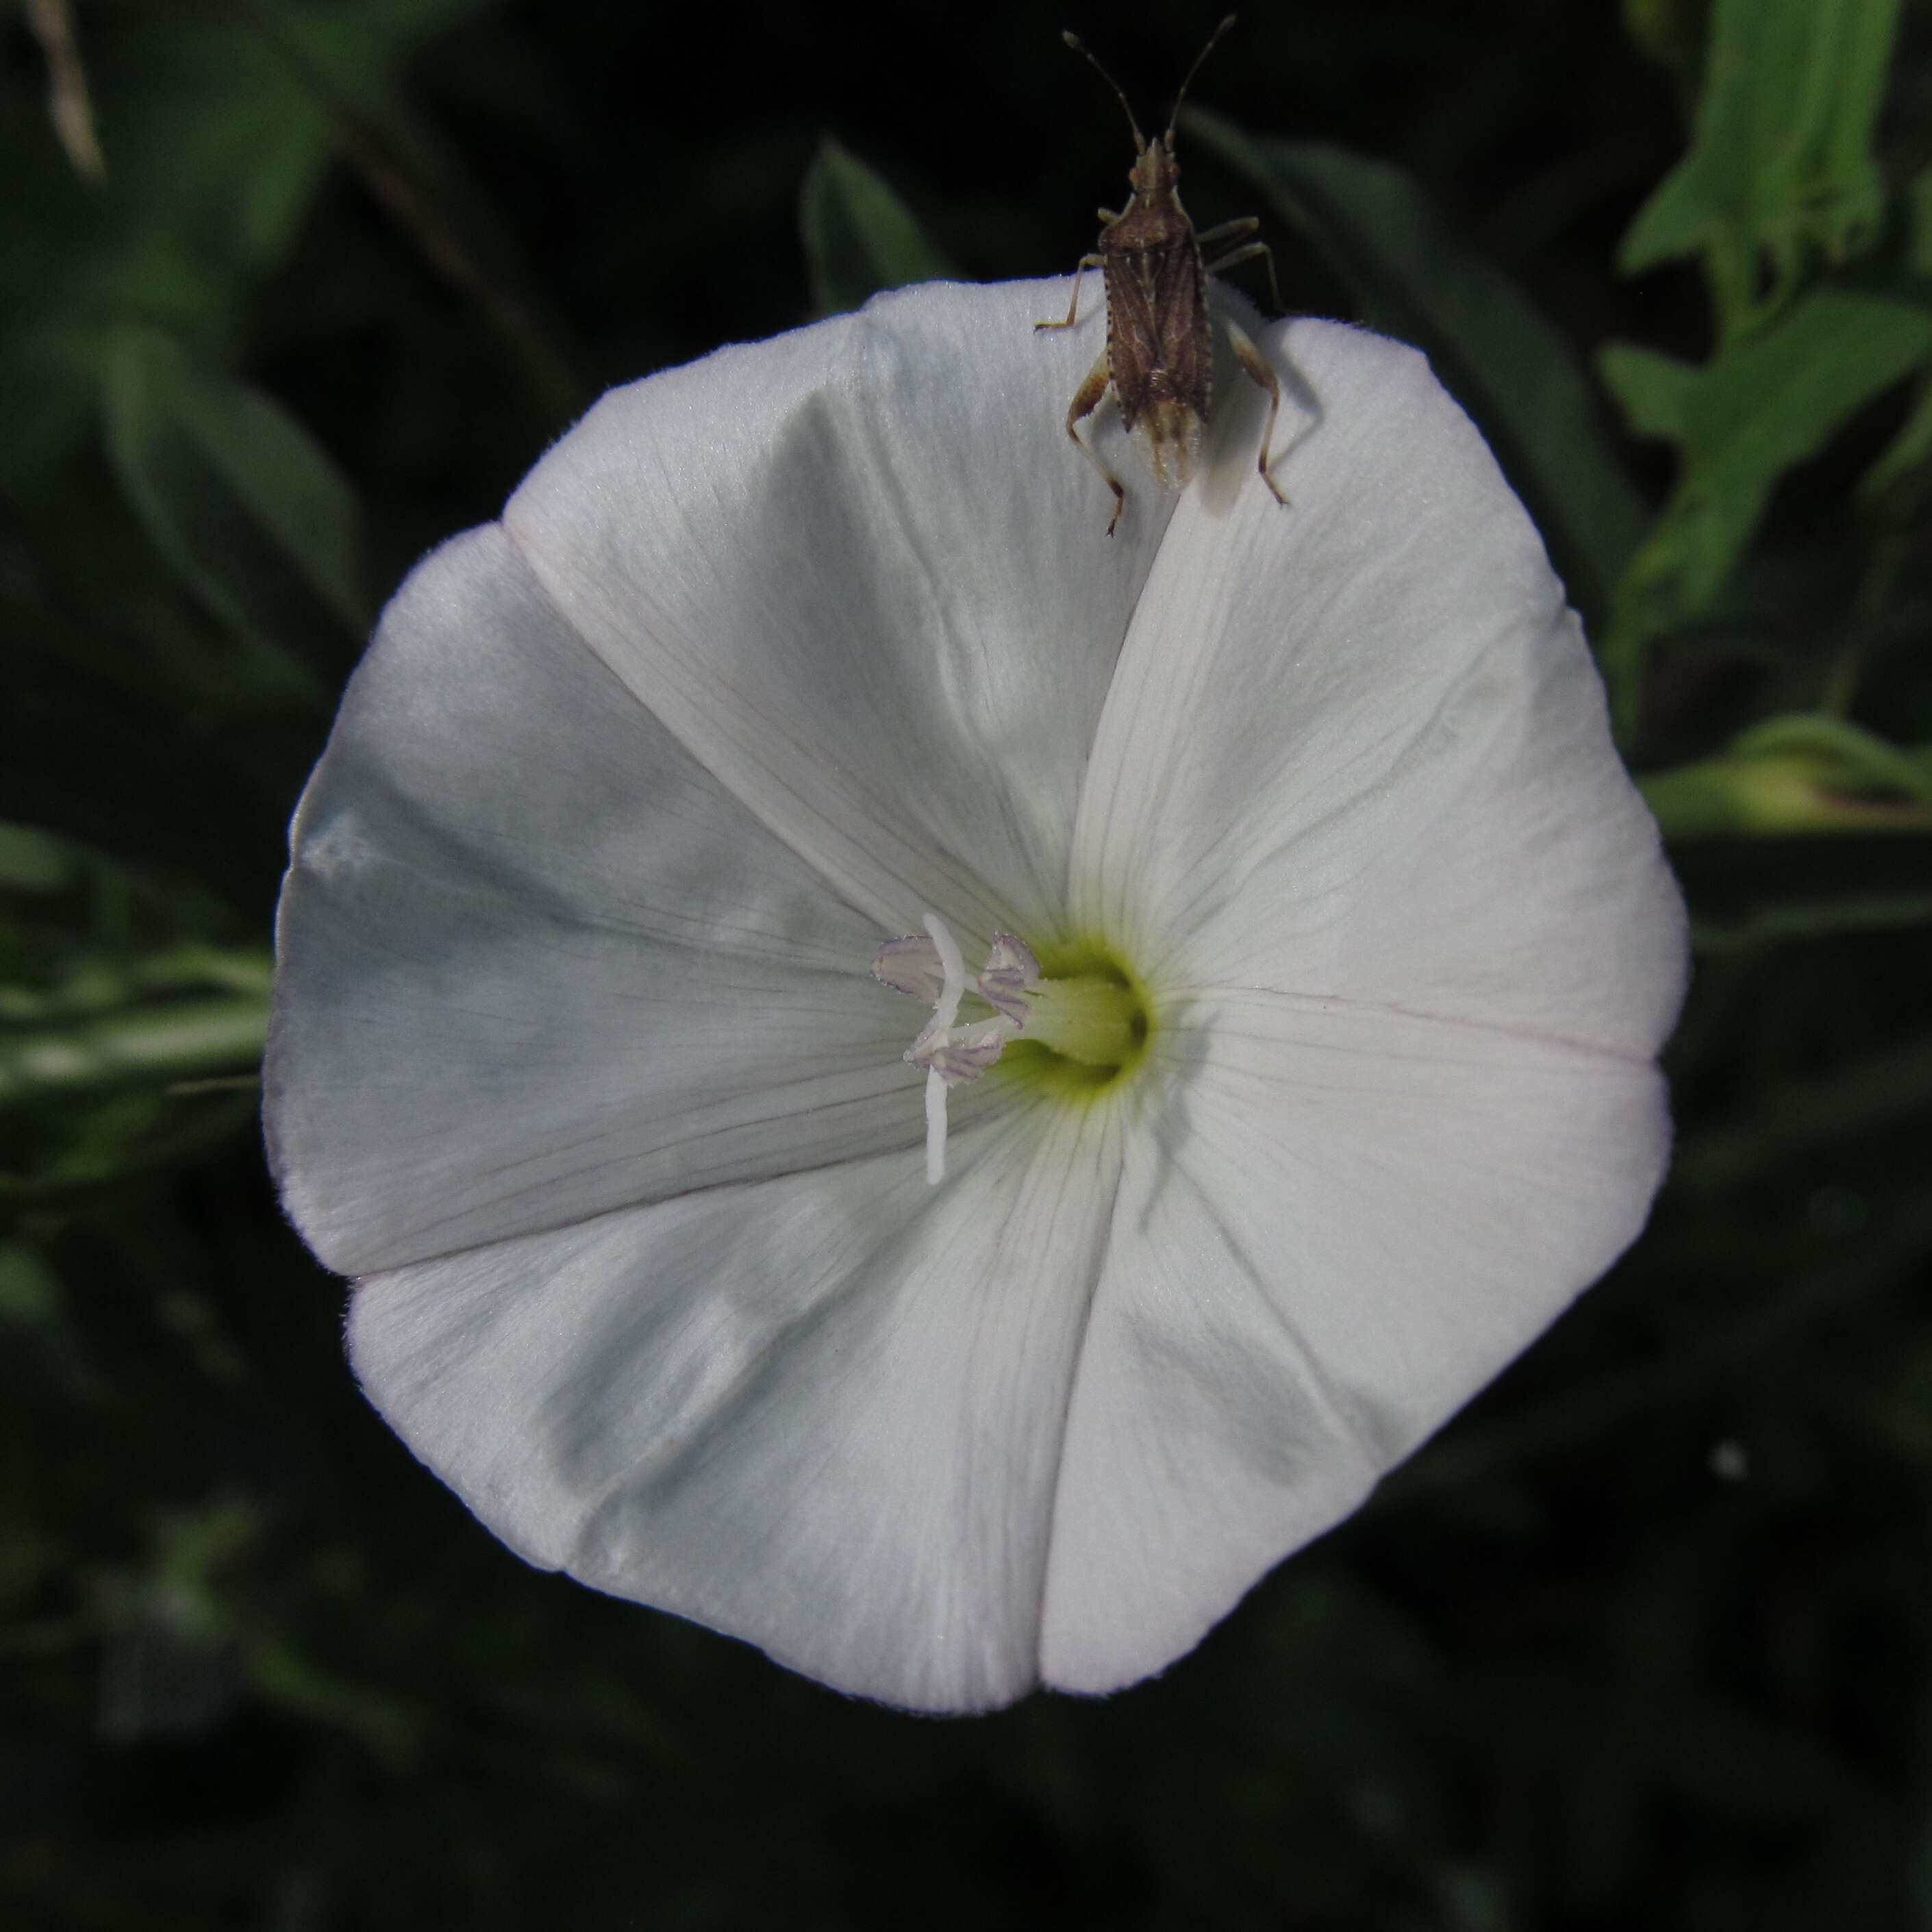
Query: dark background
1641	1640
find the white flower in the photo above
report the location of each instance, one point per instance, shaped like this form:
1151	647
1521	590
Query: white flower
578	1065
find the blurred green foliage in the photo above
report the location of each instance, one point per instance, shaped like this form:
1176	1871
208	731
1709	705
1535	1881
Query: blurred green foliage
859	236
1781	182
1780	171
1640	1640
250	515
1412	275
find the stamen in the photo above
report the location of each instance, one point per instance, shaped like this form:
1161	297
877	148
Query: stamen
911	966
933	970
1010	974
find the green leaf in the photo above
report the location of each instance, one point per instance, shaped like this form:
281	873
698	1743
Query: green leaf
1654	390
1772	792
1780	167
859	236
1414	277
1855	763
1769	403
1919	224
249	510
1764	404
1907	450
1806	773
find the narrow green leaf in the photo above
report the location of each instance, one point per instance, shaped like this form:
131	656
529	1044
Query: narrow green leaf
1780	167
1856	762
1908	450
217	153
1654	390
144	1046
1806	773
246	506
232	969
1414	277
94	985
282	1677
1770	792
1919	224
418	180
1745	892
859	237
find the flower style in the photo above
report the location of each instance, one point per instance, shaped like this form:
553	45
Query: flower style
1328	950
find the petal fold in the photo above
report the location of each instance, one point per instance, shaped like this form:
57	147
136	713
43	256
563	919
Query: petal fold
534	962
1335	1226
1356	747
861	576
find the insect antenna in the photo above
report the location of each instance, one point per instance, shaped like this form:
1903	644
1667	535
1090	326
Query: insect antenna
1213	41
1079	47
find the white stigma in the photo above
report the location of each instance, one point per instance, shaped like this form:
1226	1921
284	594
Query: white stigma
944	1014
933	969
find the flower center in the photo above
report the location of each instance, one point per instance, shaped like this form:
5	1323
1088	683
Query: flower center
1072	1027
1088	1025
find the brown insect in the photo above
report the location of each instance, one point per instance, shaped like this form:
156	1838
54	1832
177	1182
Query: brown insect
1160	357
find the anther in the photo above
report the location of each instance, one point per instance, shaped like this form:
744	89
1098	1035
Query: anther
932	969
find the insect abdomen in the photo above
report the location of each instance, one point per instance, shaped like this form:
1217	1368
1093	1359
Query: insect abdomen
1159	349
1168	433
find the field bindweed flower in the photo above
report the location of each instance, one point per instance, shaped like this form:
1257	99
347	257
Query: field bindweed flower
631	984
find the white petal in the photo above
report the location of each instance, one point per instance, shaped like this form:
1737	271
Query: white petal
861	574
1356	746
535	963
1336	1227
823	1413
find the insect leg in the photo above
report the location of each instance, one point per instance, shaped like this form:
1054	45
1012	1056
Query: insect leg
1247	253
1226	231
1086	400
1086	261
1258	373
